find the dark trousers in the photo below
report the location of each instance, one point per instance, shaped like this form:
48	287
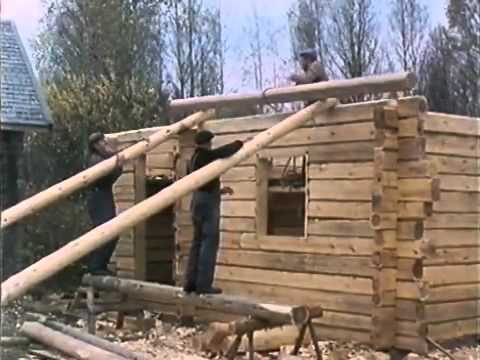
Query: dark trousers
205	209
101	209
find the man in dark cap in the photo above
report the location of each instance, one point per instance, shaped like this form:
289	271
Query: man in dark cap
205	208
101	206
313	70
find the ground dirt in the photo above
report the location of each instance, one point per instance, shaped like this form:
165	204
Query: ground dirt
169	341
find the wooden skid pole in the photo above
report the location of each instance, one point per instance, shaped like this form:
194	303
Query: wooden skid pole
327	89
83	179
18	284
66	344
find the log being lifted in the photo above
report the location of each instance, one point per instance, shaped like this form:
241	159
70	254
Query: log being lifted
66	344
63	189
21	282
272	314
328	89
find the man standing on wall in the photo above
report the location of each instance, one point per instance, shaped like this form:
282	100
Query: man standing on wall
313	70
205	208
101	206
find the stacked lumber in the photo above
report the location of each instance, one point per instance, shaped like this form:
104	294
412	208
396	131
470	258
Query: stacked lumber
452	261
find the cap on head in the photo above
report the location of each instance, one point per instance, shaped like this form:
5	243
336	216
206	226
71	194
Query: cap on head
308	53
203	137
94	138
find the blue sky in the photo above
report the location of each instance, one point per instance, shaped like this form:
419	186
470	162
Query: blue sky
236	17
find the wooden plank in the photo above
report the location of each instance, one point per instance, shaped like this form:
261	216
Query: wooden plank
385	160
383	221
467	146
347	152
454	256
452	221
126	179
418	190
455	164
460	183
384	200
412	106
237	224
454	329
236	208
296	262
417	169
386	140
160	161
125	263
315	244
410	127
347	284
452	311
242	190
341	171
339	210
457	202
412	148
341	190
243	173
333	301
452	124
409	310
355	228
411	328
452	274
452	237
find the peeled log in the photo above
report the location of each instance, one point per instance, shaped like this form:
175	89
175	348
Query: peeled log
170	294
322	90
21	282
66	344
66	187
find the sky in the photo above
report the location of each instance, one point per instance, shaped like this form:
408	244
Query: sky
236	16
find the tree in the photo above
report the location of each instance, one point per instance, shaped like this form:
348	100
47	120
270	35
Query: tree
353	44
196	48
409	30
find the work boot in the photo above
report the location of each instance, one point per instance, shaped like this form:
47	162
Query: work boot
210	291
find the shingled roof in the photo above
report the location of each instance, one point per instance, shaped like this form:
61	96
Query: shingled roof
22	103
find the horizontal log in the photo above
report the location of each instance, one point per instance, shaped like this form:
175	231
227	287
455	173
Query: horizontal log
409	230
454	329
156	172
412	106
413	210
312	136
418	190
240	173
386	140
455	164
339	210
454	293
340	190
384	200
411	127
346	152
341	171
330	301
341	228
235	208
417	169
322	90
411	328
292	262
457	202
243	190
452	221
452	274
383	221
451	124
237	224
463	183
452	311
411	310
385	160
347	284
412	148
467	146
167	293
160	161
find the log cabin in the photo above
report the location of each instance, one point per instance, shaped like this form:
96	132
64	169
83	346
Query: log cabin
373	214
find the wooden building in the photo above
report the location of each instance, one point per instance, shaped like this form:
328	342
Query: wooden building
373	215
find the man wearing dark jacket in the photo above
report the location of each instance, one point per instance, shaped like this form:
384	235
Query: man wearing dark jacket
205	208
101	206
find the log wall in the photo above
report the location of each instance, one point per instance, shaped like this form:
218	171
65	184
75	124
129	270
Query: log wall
390	247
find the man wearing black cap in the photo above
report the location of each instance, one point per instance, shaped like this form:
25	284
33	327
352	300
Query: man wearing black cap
101	206
205	208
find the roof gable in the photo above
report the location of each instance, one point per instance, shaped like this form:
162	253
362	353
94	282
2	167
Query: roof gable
22	103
